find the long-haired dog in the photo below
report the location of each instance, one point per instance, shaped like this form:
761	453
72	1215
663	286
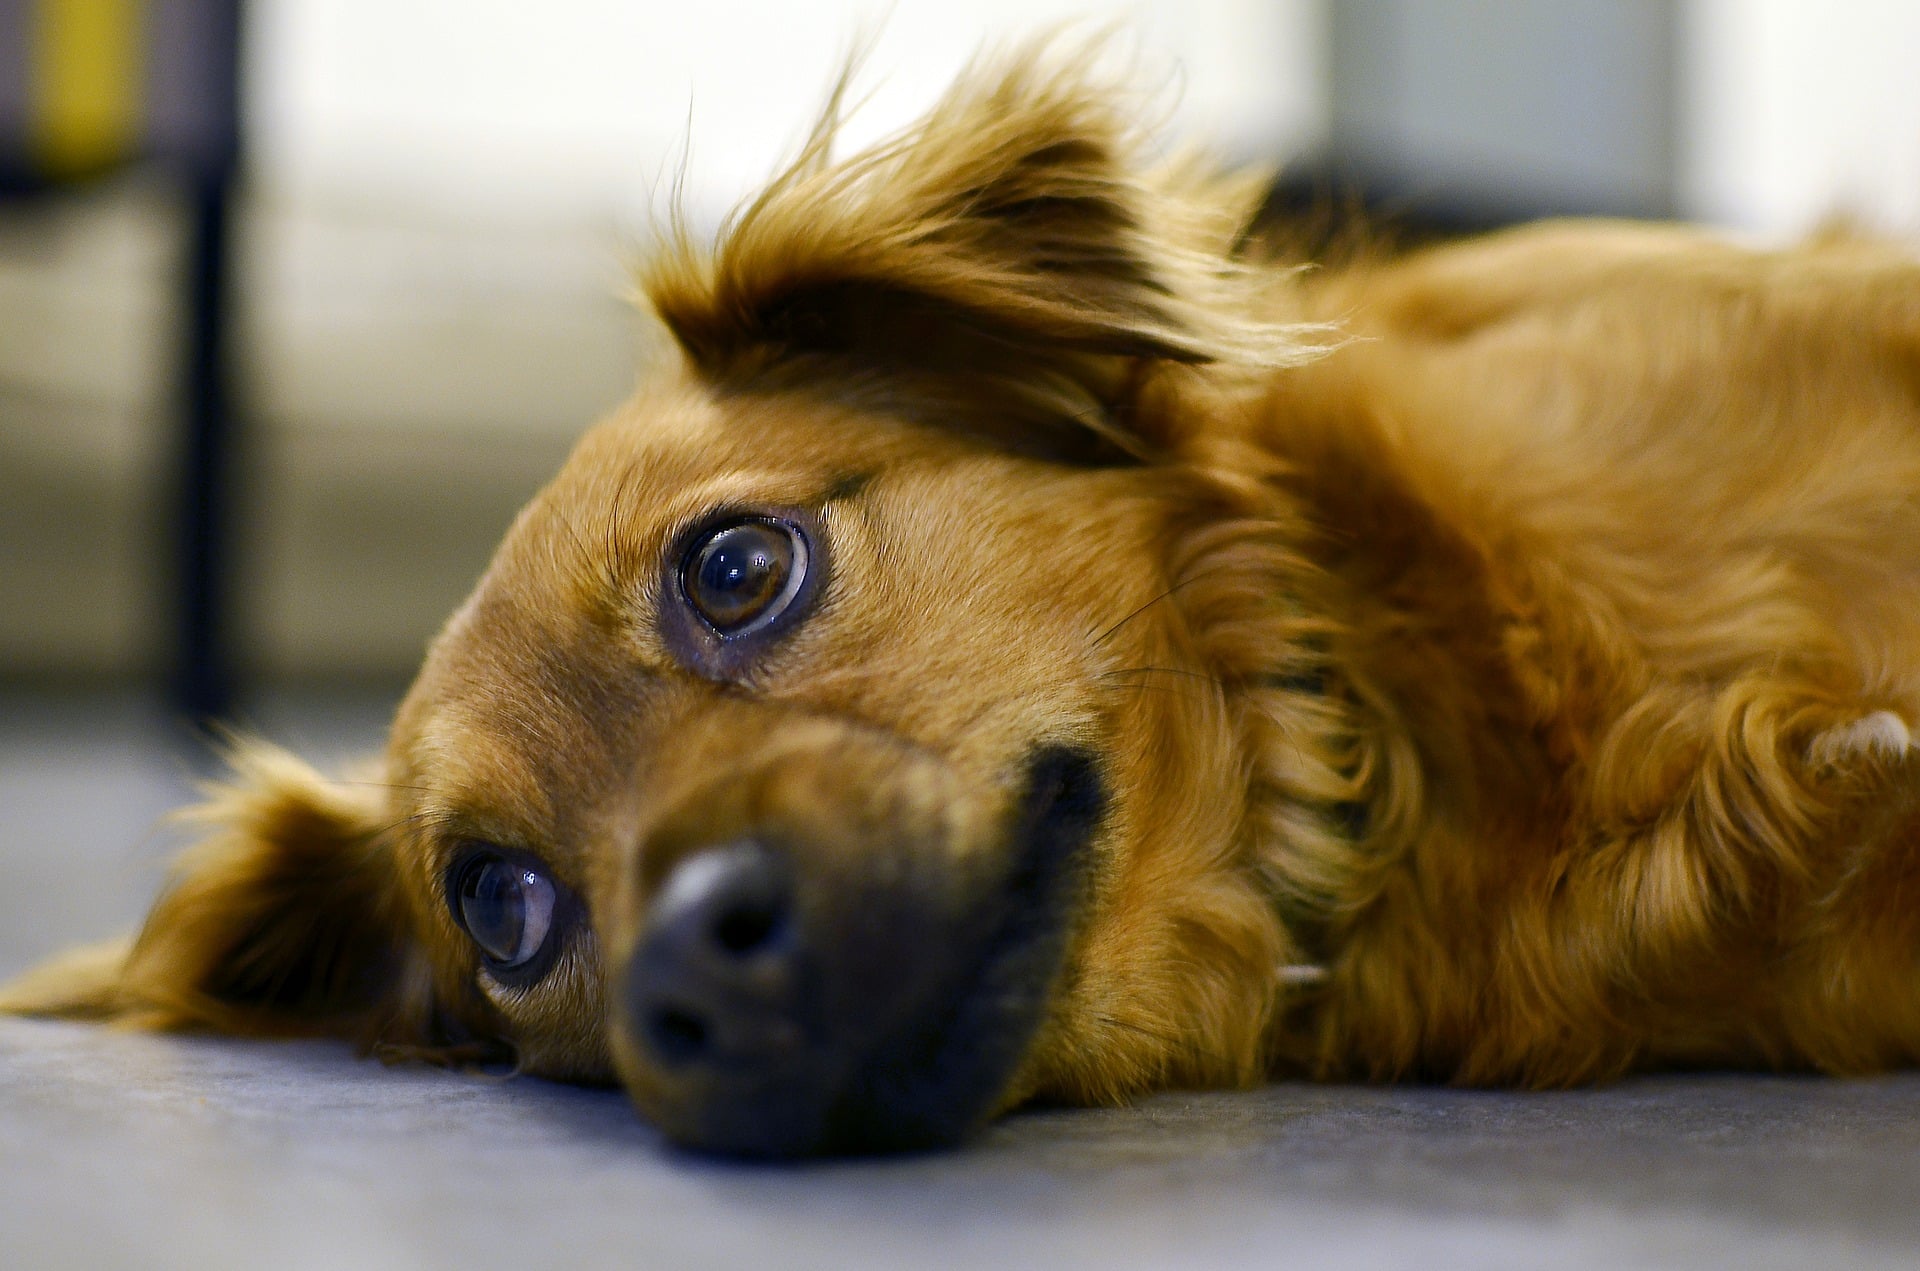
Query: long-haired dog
1034	643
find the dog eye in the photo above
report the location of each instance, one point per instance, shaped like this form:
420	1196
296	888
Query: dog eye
506	906
742	576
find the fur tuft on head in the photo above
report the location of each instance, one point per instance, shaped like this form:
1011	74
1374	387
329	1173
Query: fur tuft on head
1011	254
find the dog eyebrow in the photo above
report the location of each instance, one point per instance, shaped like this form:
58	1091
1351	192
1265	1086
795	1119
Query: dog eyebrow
847	486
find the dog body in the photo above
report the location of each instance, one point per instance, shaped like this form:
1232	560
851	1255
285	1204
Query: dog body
1627	552
1030	643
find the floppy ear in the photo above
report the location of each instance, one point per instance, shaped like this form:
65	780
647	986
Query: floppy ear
285	920
1007	260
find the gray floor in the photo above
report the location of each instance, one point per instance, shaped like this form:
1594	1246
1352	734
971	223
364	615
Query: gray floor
121	1150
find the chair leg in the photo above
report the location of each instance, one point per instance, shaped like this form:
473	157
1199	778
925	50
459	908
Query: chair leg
204	677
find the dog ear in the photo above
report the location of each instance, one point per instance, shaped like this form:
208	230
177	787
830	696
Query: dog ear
1007	260
284	921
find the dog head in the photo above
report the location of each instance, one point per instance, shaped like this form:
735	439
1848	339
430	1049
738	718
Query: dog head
900	709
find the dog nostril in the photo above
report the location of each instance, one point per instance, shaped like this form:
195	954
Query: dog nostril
732	901
747	926
713	977
678	1036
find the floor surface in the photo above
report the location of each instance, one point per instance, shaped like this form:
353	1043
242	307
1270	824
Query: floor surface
132	1151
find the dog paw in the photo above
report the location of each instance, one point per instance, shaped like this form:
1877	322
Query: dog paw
1880	735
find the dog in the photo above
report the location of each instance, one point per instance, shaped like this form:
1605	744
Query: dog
1031	641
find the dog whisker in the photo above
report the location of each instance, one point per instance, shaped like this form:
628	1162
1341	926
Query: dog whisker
424	817
365	783
599	563
1168	594
612	531
1183	672
1144	687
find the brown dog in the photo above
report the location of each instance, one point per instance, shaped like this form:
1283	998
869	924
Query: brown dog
1030	646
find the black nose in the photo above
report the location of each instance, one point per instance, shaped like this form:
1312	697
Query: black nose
715	983
845	988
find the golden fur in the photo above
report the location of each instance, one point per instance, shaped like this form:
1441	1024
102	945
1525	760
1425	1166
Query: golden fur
1502	659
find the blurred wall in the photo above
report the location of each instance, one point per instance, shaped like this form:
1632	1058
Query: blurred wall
573	105
1796	110
1763	116
1504	108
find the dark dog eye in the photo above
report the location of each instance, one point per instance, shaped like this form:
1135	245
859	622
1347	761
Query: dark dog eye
506	906
743	575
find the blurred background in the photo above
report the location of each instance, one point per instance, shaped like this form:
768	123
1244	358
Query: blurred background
378	248
300	300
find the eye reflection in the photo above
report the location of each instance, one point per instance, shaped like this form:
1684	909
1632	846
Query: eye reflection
506	907
743	575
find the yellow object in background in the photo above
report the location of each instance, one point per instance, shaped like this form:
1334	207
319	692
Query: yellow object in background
86	77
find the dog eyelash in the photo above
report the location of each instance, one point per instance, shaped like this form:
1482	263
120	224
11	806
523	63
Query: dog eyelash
567	967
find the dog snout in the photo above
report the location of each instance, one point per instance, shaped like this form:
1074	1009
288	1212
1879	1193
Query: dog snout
715	982
834	941
761	984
